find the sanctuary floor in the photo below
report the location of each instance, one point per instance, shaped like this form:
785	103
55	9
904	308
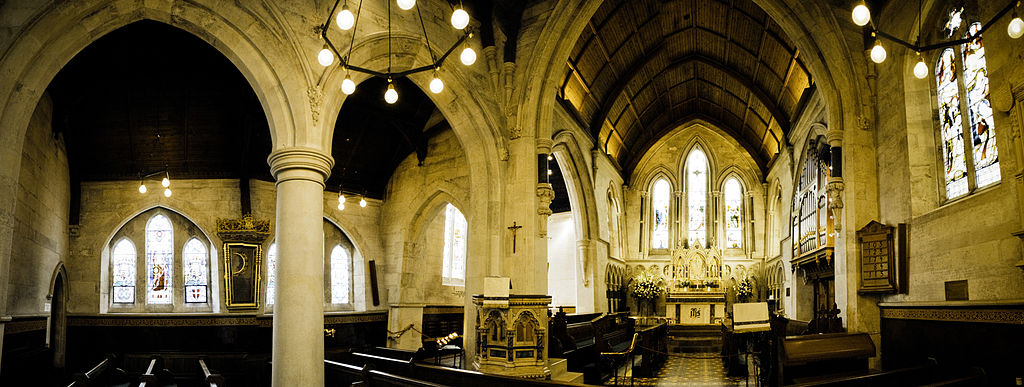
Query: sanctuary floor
692	369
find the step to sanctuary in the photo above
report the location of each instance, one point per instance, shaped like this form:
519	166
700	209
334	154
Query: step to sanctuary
694	338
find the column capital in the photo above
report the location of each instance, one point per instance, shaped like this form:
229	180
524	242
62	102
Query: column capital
300	163
834	137
544	145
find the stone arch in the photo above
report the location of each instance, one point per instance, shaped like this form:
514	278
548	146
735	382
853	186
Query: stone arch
60	30
747	183
359	260
696	142
580	186
56	328
414	240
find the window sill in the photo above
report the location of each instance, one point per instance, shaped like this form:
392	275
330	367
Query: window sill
952	204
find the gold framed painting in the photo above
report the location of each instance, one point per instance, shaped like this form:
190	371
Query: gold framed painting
242	263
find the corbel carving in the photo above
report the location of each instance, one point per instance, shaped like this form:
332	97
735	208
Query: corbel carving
834	189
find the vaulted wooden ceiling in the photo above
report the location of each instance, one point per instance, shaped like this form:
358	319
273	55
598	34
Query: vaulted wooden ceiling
643	67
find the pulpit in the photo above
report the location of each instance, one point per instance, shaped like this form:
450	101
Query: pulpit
511	332
696	296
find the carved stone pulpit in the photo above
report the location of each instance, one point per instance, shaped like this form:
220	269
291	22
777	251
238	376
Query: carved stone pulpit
512	334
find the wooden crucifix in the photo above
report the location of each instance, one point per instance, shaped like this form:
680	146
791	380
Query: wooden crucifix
514	228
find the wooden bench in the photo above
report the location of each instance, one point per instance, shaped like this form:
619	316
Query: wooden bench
103	373
825	354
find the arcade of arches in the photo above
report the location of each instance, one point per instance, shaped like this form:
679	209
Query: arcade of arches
743	148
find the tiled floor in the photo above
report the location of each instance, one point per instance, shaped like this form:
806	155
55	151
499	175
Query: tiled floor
692	369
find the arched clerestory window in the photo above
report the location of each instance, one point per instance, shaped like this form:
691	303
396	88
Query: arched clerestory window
123	265
341	275
159	261
697	197
661	194
455	230
733	197
194	262
969	153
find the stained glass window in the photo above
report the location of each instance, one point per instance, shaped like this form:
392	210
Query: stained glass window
660	203
697	197
982	129
159	260
733	196
271	272
951	127
953	22
193	262
123	264
341	275
454	271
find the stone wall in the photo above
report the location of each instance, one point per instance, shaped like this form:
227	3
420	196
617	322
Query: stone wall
107	206
40	215
412	222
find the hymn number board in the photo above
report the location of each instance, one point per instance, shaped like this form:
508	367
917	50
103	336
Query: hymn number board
880	258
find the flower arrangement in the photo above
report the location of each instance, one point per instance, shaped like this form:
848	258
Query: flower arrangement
646	286
745	289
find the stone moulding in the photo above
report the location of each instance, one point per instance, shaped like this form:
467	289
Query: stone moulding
996	316
246	229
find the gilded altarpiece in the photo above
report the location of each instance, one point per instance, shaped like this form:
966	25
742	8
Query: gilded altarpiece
243	239
696	296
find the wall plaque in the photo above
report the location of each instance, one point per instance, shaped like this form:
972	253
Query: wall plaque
243	257
242	262
882	258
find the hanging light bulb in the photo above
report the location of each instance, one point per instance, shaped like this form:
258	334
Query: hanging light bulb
362	202
142	188
167	192
861	14
345	18
326	57
550	157
468	56
920	69
460	18
436	84
406	5
341	206
391	96
347	86
341	198
549	172
1016	27
165	182
878	52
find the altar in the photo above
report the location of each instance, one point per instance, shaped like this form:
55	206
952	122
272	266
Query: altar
696	295
695	307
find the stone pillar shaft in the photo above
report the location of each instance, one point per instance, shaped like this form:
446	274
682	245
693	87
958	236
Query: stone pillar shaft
298	340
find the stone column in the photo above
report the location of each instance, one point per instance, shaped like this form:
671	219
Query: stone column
298	339
835	185
714	211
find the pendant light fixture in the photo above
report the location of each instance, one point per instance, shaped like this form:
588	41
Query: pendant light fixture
165	181
861	16
1016	27
349	22
362	202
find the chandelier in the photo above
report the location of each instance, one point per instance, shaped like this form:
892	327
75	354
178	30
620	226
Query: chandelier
862	17
346	20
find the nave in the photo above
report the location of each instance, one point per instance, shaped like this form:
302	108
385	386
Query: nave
511	192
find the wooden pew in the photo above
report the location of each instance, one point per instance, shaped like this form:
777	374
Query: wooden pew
444	376
211	379
825	354
103	372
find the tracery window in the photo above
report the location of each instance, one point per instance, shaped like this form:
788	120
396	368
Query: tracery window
454	270
123	262
341	275
962	83
159	260
145	252
697	197
660	199
733	197
194	261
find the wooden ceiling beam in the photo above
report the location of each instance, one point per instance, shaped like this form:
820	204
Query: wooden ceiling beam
620	85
